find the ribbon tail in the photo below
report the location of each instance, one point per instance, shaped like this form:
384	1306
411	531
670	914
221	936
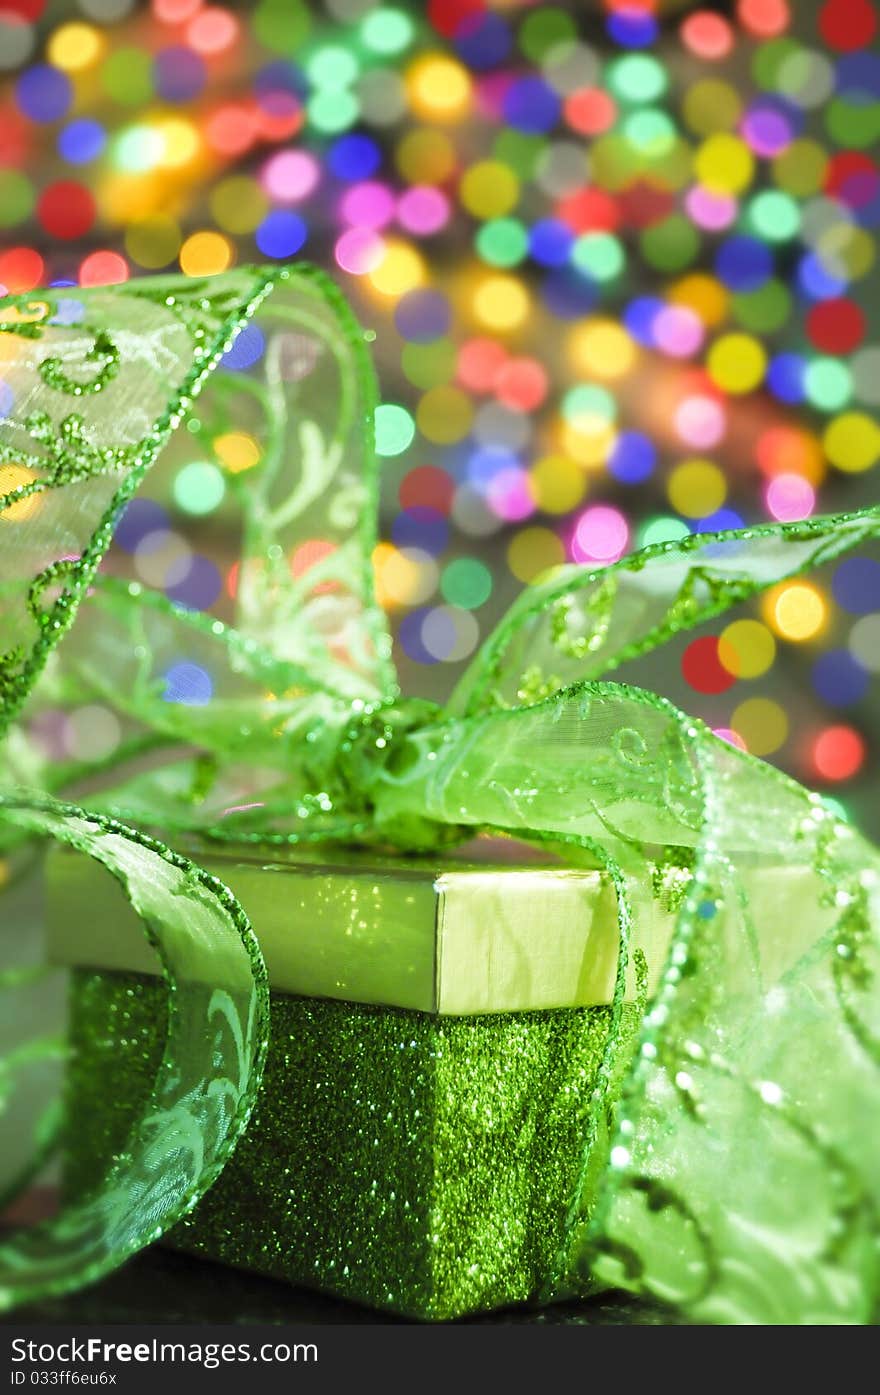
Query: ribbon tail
737	1180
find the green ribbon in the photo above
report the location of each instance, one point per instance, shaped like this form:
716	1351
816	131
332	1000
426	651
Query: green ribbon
736	1176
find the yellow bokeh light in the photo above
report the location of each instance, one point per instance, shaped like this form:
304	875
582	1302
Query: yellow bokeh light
846	251
132	198
236	451
590	449
403	576
205	254
746	648
762	724
75	46
591	425
601	349
674	168
238	204
401	269
444	414
614	163
439	88
13	477
489	189
796	610
696	488
558	483
711	105
704	295
533	551
724	164
737	363
852	442
801	168
502	303
181	142
154	242
425	156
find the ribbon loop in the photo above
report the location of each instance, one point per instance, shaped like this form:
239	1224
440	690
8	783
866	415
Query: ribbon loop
206	1085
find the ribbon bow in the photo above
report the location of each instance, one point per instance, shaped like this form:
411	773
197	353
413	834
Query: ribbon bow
736	1176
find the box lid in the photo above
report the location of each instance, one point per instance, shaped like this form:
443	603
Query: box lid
496	927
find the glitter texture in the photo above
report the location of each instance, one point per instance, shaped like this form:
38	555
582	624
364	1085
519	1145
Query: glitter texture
418	1163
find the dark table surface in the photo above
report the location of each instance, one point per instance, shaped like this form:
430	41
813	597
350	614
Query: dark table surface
162	1286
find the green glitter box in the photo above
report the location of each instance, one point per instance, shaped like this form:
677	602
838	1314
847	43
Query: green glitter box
436	1030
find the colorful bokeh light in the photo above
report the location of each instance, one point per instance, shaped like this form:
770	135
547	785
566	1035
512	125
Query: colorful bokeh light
619	260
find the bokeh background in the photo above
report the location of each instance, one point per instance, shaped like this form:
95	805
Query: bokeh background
620	260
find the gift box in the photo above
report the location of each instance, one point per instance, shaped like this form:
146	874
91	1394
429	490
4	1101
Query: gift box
436	1030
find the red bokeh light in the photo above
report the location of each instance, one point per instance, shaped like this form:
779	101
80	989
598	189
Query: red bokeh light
847	24
448	16
212	31
479	362
836	326
21	268
838	753
589	210
175	11
702	667
590	111
427	487
27	10
232	129
764	18
103	268
521	384
707	35
66	209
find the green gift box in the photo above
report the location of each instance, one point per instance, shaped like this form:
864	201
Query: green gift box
436	1030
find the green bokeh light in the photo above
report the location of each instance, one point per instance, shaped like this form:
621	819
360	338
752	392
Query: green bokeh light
520	151
854	125
774	216
429	365
670	245
281	26
588	400
199	487
127	76
387	30
395	429
543	30
332	110
662	529
466	583
764	310
769	60
828	384
502	242
137	149
650	131
16	198
637	77
599	255
332	68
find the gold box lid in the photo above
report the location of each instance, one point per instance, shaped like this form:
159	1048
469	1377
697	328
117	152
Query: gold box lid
495	927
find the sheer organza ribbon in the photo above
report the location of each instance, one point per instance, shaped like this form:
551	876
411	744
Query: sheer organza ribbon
736	1177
